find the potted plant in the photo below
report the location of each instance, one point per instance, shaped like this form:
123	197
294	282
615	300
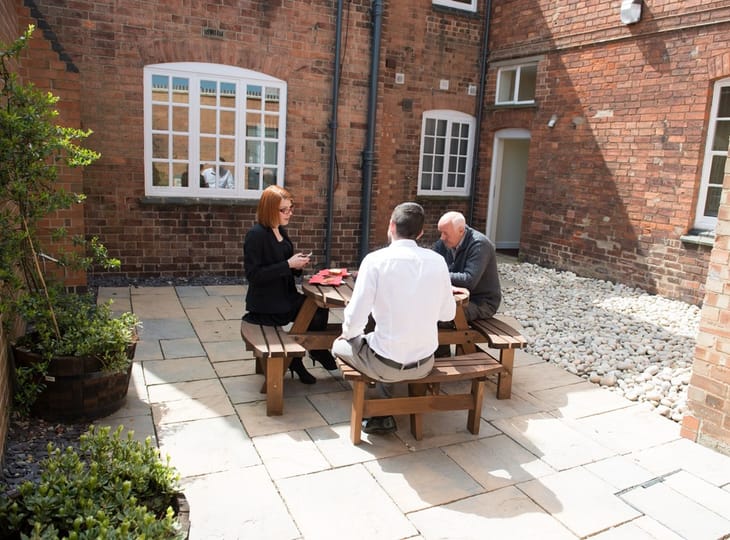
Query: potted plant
68	336
109	487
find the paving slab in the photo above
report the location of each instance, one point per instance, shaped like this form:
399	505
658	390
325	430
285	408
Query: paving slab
207	446
239	503
553	440
677	511
298	414
181	348
290	454
629	429
177	370
582	502
335	445
419	480
349	501
497	462
579	400
504	513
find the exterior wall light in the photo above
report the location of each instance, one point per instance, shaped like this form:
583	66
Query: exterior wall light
630	11
553	119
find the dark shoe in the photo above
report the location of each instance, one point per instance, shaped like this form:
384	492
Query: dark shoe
325	358
297	367
379	425
443	351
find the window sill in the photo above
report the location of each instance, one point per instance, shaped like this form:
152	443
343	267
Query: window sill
195	201
442	196
699	237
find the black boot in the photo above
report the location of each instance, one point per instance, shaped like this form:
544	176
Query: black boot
297	367
325	358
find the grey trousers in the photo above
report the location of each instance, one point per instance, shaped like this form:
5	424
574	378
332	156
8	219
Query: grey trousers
357	353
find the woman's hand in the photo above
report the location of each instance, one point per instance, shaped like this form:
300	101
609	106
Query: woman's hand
298	261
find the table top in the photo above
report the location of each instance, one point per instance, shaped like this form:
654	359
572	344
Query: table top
333	296
330	295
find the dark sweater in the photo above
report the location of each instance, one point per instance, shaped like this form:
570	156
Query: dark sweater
474	267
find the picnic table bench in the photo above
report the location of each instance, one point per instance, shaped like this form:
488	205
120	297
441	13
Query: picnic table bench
503	337
273	349
424	393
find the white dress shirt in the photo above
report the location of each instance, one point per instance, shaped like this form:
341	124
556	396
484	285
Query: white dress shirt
408	290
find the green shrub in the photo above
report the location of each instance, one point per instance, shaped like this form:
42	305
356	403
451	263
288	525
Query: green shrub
111	487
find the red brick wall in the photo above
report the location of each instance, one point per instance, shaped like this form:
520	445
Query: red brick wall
607	198
610	195
293	41
709	389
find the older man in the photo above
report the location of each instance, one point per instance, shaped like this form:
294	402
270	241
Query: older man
472	261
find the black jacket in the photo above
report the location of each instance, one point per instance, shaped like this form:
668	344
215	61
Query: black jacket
271	286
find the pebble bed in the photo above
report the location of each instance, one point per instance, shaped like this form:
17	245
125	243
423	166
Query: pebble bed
636	344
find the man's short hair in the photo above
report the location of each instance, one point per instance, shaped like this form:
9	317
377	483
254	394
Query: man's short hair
408	218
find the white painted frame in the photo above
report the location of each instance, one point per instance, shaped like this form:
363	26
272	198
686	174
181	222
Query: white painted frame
195	72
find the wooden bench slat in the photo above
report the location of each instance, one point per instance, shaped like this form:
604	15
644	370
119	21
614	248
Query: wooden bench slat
424	393
499	334
416	404
319	339
468	366
268	341
273	349
253	337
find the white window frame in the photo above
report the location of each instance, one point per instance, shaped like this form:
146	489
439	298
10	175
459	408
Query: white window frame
450	117
221	74
470	5
517	70
702	221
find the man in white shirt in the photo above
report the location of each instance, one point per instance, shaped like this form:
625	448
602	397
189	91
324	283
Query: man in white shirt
407	290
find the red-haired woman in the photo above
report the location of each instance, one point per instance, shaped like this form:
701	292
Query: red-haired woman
270	265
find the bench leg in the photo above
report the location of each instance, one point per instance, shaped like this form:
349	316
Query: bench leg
274	386
477	392
504	380
259	367
417	389
358	404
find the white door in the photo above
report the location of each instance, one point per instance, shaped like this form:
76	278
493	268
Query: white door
507	187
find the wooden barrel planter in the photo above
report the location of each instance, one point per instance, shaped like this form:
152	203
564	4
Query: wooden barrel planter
77	388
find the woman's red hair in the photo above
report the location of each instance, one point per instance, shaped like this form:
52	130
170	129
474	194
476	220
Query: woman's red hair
267	213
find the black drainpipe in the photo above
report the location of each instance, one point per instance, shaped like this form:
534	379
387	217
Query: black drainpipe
480	109
369	152
333	137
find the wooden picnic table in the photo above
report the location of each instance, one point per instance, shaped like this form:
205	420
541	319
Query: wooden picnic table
274	347
338	296
494	332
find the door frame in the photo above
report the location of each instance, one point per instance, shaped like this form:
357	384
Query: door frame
496	174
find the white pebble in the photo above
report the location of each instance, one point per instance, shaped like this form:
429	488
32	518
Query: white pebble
634	343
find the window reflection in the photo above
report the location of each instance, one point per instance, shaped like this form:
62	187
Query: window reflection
218	121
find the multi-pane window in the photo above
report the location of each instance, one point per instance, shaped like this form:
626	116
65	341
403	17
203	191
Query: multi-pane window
212	131
516	84
469	5
447	151
716	150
